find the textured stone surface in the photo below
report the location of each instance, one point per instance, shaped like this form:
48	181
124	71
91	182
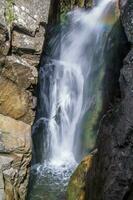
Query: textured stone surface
15	156
29	14
127	17
25	43
22	35
111	174
20	71
22	30
13	101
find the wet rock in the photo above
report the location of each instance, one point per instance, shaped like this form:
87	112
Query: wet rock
15	156
127	16
111	175
113	166
76	187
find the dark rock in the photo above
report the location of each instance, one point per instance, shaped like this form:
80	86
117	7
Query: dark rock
127	17
111	175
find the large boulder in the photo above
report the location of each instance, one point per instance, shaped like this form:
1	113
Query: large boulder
13	101
76	187
15	157
20	71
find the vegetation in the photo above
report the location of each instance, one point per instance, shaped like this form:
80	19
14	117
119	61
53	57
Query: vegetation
10	17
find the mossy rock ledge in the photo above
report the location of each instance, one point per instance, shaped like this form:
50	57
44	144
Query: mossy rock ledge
76	186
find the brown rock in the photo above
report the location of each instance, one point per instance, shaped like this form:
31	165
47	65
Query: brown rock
13	100
15	141
20	71
25	43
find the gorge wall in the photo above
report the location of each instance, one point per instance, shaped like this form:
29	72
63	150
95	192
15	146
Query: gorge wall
110	175
22	34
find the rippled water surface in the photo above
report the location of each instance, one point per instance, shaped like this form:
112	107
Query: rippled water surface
49	181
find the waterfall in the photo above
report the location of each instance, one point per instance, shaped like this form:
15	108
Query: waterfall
66	92
68	98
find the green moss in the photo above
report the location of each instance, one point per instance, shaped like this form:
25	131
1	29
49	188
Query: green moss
91	119
10	17
76	186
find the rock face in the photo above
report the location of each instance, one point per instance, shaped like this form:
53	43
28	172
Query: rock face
111	174
15	156
22	30
22	34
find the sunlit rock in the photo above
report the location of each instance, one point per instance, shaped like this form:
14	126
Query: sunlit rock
15	156
20	70
22	43
14	101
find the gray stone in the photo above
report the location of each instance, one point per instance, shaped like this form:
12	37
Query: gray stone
2	14
25	43
20	71
14	165
29	17
127	17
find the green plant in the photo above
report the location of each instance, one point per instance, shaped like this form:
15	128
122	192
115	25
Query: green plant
10	17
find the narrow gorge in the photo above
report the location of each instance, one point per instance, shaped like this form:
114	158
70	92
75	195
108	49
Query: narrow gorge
66	100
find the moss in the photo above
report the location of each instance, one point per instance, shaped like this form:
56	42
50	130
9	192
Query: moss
91	118
76	186
10	17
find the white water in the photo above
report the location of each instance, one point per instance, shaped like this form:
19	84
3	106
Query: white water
69	94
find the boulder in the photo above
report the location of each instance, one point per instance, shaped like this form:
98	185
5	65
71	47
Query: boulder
20	71
15	156
29	14
127	16
76	187
24	43
14	101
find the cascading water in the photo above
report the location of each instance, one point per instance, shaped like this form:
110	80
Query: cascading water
68	96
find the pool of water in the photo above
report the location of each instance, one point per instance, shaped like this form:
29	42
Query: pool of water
49	181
